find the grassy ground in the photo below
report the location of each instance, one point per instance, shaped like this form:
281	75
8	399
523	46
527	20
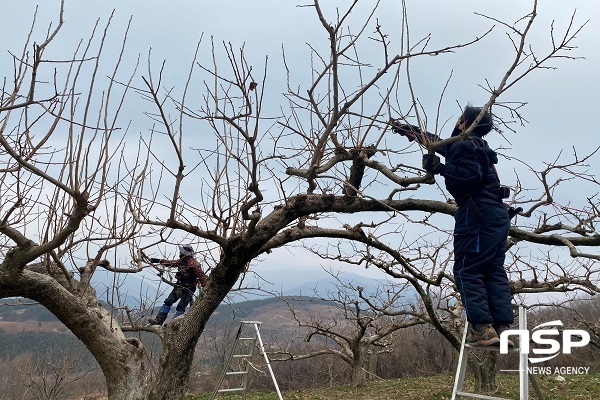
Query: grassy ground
575	387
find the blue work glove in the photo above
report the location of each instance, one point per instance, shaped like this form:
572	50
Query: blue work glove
432	164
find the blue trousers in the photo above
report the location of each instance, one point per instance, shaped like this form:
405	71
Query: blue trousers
183	294
480	237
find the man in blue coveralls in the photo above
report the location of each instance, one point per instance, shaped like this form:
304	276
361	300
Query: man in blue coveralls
482	224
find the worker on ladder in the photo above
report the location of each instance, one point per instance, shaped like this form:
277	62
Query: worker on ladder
482	222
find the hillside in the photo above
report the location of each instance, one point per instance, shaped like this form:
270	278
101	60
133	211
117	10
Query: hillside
578	387
32	329
26	326
19	316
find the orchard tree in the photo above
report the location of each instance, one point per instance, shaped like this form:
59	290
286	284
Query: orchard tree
353	323
225	169
60	181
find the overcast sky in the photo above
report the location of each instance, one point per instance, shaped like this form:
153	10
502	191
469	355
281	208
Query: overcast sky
561	104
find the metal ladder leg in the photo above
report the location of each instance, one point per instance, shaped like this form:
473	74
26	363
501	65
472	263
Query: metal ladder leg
523	358
262	349
461	369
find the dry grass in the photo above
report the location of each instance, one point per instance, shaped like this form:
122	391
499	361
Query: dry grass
575	387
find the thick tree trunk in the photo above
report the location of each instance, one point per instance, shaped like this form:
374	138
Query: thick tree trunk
175	364
181	335
489	364
484	365
373	355
359	375
129	377
122	360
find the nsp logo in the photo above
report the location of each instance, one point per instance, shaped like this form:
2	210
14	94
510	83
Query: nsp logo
542	335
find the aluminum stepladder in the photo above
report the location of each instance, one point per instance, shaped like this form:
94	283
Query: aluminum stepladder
239	359
465	350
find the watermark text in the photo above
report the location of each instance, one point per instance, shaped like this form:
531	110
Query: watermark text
545	335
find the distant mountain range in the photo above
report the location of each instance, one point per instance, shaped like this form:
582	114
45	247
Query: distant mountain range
311	283
29	327
314	282
310	289
23	321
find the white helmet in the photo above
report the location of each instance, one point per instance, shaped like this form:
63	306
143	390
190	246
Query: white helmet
186	250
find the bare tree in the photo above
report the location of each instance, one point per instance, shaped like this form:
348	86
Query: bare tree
222	169
61	182
354	324
52	375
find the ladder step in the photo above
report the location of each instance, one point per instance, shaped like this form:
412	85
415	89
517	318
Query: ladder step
236	373
247	338
242	355
230	390
479	396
